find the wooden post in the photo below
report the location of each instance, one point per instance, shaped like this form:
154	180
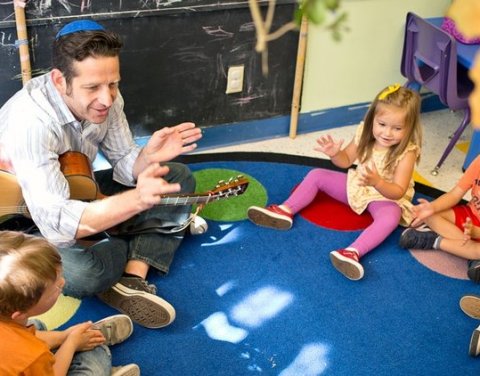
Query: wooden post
297	86
22	44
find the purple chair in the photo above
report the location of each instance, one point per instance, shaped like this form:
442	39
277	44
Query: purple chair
429	59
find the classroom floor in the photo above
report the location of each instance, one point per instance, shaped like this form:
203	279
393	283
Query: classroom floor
437	125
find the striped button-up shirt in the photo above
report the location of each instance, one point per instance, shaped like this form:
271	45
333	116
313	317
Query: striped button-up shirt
36	127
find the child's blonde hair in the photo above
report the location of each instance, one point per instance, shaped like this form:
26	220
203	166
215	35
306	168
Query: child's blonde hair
400	97
27	265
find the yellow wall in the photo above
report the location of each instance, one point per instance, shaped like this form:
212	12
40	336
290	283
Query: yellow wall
368	56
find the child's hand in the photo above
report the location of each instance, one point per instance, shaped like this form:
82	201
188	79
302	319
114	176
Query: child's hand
467	230
328	146
369	175
85	337
421	211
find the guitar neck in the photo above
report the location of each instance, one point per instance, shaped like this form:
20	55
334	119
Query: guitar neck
186	199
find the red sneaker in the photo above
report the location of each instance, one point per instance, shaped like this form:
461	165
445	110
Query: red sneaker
348	263
272	216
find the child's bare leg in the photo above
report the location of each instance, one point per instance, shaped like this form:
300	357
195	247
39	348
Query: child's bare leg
453	239
469	249
443	224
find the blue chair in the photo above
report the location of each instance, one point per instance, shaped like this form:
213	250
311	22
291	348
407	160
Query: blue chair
429	59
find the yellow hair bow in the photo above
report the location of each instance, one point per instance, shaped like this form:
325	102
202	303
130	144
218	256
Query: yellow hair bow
389	90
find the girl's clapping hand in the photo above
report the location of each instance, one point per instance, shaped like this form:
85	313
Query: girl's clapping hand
327	145
369	175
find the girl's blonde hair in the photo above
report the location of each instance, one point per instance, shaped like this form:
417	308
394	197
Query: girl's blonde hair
400	97
27	265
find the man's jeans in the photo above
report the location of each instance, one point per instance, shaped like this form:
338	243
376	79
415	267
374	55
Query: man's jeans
93	269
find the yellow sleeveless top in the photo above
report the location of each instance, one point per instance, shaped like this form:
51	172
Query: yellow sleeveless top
359	197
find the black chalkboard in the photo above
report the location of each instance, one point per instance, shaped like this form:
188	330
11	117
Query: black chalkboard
175	58
41	11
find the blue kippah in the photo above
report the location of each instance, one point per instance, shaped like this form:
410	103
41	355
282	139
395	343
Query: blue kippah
80	25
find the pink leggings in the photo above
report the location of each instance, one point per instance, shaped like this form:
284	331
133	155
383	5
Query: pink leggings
386	214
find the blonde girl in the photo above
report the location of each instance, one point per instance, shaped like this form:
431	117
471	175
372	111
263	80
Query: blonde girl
386	147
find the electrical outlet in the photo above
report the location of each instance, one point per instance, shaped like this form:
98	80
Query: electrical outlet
235	79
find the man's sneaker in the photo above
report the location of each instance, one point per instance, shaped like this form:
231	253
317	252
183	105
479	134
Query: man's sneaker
115	329
474	348
348	263
473	271
128	370
136	298
417	239
272	216
470	305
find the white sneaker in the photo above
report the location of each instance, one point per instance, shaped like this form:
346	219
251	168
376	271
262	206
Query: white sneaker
115	329
198	225
128	370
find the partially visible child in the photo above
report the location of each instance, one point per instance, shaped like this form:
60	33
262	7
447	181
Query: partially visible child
470	305
386	146
453	227
31	280
456	227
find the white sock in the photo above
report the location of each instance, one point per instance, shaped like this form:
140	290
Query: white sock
354	250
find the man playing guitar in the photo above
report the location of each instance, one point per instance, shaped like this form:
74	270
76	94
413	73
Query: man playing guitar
77	106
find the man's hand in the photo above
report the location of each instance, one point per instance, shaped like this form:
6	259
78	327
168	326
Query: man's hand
169	142
150	186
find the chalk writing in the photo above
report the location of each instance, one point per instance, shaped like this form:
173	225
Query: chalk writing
7	40
217	32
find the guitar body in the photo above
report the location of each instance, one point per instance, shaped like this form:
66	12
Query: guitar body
77	169
74	165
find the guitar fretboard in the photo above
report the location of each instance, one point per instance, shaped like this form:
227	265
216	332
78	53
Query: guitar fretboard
185	200
196	199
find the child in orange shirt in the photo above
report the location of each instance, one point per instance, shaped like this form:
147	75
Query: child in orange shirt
452	227
30	282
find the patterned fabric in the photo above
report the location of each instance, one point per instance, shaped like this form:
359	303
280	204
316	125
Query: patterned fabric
359	197
449	26
34	138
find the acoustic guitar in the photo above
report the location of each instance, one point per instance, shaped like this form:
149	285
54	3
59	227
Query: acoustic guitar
76	168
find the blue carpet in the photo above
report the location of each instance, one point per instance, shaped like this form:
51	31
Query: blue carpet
255	301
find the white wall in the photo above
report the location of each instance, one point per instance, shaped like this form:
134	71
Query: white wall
368	56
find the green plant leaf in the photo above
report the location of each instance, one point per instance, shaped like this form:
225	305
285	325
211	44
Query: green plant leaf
316	11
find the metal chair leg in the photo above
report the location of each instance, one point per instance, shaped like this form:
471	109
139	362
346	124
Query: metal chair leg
453	141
